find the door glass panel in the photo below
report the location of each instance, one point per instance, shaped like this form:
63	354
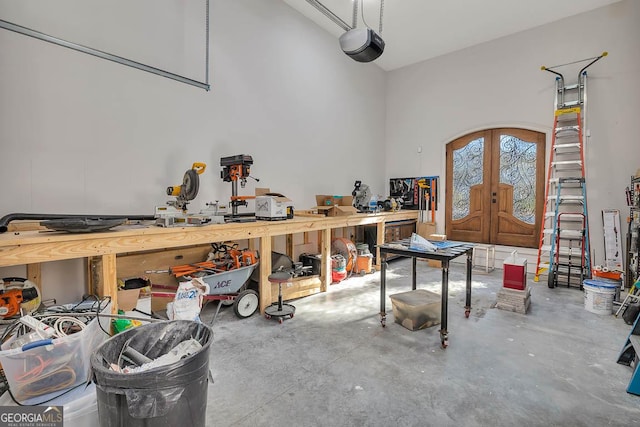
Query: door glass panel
467	172
518	169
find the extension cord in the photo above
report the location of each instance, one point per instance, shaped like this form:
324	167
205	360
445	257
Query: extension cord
42	329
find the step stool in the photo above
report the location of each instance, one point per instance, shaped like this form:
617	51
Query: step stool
279	310
489	257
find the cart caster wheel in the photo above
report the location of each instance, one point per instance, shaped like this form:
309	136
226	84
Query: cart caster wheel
266	316
444	343
467	313
291	316
280	320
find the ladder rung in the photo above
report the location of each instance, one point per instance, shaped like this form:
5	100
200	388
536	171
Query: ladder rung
565	216
572	180
567	163
565	233
562	250
567	145
566	198
571	104
570	87
573	128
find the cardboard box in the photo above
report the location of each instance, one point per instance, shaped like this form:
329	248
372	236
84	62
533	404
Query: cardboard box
272	206
335	205
439	237
128	299
425	229
416	309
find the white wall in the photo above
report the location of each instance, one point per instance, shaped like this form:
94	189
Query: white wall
500	83
83	135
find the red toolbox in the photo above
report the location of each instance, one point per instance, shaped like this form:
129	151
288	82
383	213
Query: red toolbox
514	272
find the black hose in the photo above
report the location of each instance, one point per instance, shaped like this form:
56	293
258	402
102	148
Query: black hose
5	220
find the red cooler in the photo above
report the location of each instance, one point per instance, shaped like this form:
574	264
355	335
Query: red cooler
514	272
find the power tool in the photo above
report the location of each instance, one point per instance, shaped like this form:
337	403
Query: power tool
361	197
10	300
237	168
175	213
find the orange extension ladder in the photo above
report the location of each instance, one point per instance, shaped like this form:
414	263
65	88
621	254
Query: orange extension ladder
565	193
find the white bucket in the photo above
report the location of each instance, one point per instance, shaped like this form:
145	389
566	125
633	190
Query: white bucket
598	296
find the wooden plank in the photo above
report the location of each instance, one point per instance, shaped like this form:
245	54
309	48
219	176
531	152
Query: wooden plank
265	270
24	225
298	288
110	280
33	247
34	273
94	276
308	214
325	264
289	245
138	264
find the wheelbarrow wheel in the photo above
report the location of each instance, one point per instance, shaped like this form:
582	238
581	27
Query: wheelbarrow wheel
246	303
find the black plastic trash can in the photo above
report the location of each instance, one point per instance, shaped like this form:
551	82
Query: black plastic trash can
170	395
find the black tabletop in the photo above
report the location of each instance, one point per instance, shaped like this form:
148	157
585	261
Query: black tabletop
447	249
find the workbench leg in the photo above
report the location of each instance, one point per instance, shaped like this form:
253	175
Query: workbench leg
110	280
444	333
34	274
467	307
325	262
264	287
380	227
414	261
289	238
383	292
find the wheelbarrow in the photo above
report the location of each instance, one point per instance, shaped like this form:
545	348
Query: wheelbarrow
224	285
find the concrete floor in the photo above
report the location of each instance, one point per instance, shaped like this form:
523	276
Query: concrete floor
334	365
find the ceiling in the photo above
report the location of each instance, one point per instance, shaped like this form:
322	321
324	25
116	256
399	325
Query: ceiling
416	30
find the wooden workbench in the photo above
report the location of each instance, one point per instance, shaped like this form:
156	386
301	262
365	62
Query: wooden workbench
31	248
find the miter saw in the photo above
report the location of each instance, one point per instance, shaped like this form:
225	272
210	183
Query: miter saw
175	213
361	196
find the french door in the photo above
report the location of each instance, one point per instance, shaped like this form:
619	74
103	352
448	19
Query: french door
495	187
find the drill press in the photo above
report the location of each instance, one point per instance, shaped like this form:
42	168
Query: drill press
237	168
